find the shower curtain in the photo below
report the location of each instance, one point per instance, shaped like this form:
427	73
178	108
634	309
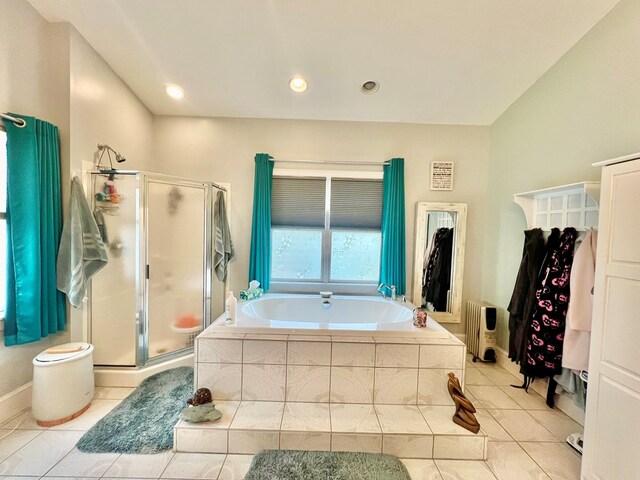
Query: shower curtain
34	307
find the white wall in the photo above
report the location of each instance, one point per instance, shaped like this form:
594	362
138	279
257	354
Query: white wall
222	150
34	79
586	108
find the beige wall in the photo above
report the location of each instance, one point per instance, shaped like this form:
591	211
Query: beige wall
103	109
585	109
34	79
222	150
50	72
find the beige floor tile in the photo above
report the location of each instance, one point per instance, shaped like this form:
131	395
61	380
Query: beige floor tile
464	470
306	417
194	466
491	427
97	410
401	419
522	426
235	467
39	455
491	397
530	400
474	376
24	421
11	442
356	442
500	376
80	464
421	469
312	441
556	459
354	419
258	416
508	461
141	466
112	393
439	419
557	422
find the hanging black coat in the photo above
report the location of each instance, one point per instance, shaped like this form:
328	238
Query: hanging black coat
546	333
440	281
523	297
433	259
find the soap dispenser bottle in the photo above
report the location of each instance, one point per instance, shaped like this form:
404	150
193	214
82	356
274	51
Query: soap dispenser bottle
230	309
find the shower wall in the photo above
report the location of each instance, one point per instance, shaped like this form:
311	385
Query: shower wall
154	295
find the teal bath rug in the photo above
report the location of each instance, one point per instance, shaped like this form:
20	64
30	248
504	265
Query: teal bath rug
144	421
300	465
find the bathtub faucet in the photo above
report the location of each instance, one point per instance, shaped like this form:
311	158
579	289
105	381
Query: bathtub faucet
390	287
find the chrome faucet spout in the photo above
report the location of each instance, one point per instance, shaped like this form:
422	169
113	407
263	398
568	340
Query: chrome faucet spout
390	287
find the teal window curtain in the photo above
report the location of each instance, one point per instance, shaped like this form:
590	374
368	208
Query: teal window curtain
34	307
392	254
260	257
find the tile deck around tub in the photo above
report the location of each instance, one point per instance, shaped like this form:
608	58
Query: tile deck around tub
402	430
333	369
369	393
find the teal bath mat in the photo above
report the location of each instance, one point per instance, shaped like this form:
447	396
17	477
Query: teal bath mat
299	465
144	421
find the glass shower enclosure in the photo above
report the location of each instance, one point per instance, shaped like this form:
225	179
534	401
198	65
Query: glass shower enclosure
154	295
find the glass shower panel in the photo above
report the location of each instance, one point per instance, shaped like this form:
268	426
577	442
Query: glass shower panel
114	307
176	265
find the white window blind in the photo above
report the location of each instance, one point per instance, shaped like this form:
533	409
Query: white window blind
297	202
356	203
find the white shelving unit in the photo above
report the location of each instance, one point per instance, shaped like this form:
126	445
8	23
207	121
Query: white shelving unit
574	205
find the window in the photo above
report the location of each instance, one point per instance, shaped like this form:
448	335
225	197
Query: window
3	222
325	233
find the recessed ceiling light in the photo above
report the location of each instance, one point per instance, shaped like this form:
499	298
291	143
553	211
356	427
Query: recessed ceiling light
174	91
369	87
298	84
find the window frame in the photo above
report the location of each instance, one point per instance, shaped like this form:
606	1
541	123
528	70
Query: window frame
363	287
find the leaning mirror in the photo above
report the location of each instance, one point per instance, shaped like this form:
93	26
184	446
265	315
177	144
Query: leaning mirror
439	259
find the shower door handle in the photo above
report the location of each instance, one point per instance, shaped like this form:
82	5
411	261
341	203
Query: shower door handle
147	271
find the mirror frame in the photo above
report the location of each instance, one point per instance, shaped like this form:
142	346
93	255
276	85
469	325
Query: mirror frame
421	241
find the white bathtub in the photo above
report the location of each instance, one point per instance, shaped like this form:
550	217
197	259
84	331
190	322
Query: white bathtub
289	313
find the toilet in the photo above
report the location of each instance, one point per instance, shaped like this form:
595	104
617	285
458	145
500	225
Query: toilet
63	383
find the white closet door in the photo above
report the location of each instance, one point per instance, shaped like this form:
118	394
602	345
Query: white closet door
612	427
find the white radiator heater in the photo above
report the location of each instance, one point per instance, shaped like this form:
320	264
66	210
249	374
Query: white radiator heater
481	331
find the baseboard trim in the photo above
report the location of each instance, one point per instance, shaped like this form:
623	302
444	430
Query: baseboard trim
132	377
15	402
562	402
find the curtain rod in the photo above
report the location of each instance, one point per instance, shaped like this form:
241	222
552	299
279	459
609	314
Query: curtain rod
331	162
18	121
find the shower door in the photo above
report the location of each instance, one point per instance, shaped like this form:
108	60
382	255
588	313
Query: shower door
177	219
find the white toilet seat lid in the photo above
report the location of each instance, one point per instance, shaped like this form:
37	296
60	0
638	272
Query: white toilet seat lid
47	357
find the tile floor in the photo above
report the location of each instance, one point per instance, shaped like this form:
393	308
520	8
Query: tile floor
526	441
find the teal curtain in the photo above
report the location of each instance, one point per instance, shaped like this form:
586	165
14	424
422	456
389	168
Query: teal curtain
260	257
392	255
34	307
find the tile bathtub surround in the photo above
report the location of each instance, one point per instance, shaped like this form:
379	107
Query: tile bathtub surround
351	385
507	459
263	382
336	369
309	353
264	352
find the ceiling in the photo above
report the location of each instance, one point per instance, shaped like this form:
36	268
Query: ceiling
437	61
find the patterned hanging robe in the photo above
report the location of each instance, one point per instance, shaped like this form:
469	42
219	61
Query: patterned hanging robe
546	333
